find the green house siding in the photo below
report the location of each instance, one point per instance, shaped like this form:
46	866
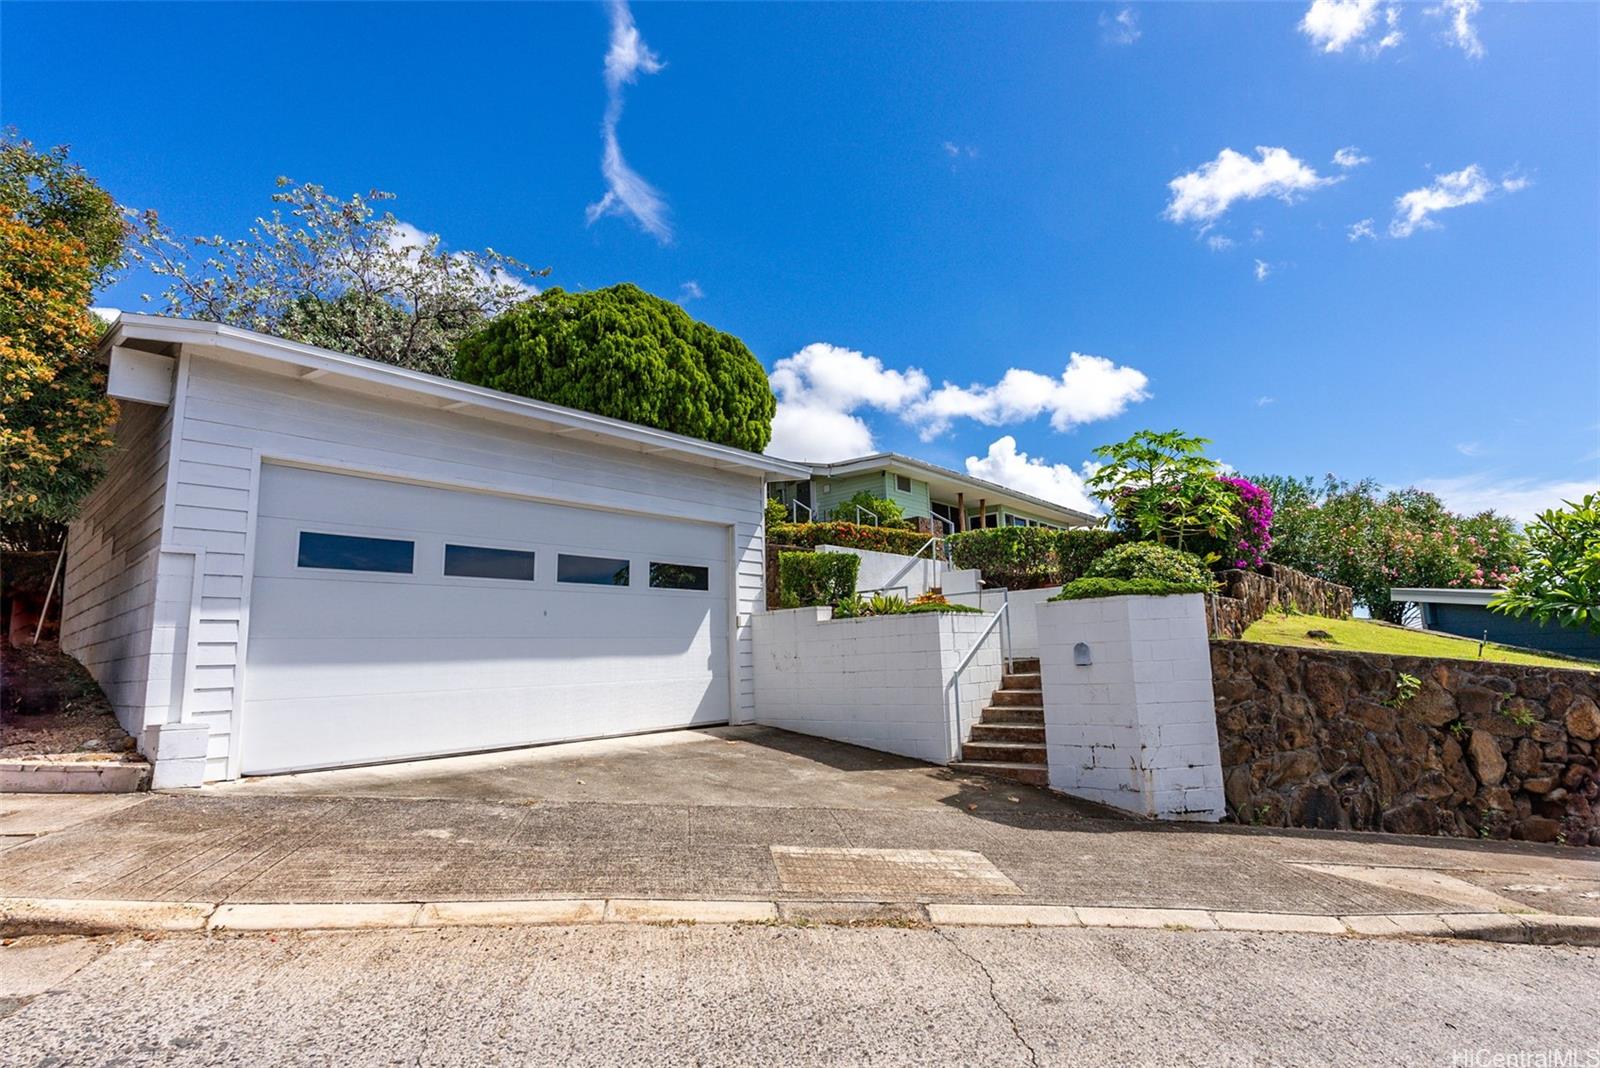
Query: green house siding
842	489
914	503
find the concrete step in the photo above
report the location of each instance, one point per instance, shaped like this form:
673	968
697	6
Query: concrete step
1030	666
1021	680
1027	733
1025	698
1033	716
1032	774
1004	752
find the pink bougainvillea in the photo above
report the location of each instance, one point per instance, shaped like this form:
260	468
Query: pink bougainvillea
1254	536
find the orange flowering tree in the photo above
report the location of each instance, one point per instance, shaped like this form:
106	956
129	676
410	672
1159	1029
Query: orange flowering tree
59	238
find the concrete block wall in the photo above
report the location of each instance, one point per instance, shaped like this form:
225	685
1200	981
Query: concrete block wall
1135	728
923	574
882	682
1023	613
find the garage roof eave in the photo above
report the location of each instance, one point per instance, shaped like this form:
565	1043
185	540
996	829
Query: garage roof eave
358	372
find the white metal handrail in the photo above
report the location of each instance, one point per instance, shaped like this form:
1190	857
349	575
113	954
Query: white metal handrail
916	558
794	510
953	720
875	520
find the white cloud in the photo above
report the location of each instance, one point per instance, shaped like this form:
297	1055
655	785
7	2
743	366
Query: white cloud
627	193
1089	389
1516	184
1334	25
1469	448
1262	402
822	389
1121	28
1203	195
1391	22
1520	498
1469	185
1362	230
956	151
844	379
1263	269
1461	33
1350	156
817	434
690	290
1057	483
1219	243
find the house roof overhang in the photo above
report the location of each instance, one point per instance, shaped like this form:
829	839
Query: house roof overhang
356	374
1435	595
946	484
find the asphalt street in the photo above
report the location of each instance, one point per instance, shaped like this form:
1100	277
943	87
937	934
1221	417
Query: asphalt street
789	995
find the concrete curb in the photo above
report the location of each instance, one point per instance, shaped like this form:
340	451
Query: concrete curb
19	916
74	777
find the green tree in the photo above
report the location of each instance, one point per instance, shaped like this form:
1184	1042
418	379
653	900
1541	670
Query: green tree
60	237
624	353
1162	487
1360	535
1560	583
338	274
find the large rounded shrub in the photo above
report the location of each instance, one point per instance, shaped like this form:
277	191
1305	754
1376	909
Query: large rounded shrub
624	353
1148	560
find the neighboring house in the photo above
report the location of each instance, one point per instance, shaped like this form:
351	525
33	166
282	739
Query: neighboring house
945	500
303	559
1466	612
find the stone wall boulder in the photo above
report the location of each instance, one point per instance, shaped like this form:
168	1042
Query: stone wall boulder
1314	738
1246	596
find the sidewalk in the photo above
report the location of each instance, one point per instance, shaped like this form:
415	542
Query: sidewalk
938	840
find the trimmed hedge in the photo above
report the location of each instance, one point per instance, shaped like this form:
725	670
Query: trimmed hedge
806	579
1085	588
1082	546
1026	558
849	535
1148	560
949	606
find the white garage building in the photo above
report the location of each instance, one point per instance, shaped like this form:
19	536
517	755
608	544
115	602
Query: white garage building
301	559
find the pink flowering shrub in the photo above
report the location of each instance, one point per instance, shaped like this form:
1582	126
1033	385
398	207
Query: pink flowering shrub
1373	539
1253	539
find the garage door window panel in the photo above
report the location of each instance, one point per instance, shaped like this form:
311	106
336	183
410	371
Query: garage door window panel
679	576
592	570
349	552
485	562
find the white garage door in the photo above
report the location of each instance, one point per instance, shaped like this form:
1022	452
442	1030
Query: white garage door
389	620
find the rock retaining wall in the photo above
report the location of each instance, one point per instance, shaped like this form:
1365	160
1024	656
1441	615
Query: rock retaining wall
1320	739
1247	596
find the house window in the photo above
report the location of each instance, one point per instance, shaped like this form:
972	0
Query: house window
591	570
344	552
679	577
1018	521
479	561
902	483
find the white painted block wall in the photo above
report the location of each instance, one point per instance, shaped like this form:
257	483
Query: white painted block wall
882	682
917	574
1136	728
1023	613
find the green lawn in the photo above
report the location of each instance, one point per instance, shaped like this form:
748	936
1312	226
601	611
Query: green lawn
1364	636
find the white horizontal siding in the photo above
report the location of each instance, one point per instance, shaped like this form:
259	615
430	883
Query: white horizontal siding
231	418
109	587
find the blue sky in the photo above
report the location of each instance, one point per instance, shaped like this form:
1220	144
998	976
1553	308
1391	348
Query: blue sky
924	212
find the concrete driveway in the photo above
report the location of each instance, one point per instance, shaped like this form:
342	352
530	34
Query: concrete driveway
742	813
719	766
